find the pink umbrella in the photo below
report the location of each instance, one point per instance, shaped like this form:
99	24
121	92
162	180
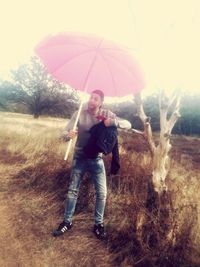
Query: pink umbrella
88	62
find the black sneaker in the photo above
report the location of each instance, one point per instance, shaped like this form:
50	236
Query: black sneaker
62	228
99	231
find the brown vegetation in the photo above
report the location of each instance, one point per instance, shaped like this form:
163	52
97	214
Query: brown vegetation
33	185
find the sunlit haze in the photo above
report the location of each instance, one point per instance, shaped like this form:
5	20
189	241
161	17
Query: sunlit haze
163	35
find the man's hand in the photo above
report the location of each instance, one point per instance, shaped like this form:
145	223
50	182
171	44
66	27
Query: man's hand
107	122
71	134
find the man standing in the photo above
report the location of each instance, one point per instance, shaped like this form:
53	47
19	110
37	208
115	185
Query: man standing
89	116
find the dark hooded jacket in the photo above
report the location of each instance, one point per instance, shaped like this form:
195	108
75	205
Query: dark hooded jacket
104	140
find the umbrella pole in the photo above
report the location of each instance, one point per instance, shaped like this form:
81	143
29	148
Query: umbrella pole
81	105
74	128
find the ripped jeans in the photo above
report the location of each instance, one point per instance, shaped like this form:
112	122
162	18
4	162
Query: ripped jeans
80	166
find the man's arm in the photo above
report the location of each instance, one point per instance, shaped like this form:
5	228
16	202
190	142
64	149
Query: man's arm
124	124
67	133
113	120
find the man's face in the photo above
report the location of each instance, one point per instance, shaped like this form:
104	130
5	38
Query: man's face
94	101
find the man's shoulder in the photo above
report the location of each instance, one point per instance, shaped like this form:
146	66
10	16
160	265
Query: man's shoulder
83	111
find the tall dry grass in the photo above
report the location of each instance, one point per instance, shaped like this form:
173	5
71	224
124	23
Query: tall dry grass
34	181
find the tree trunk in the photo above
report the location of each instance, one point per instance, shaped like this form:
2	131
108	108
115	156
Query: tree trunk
36	115
160	153
155	222
160	168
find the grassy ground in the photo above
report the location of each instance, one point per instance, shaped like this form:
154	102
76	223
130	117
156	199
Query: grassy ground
33	185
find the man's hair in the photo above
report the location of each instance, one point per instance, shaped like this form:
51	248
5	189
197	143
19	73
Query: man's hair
100	93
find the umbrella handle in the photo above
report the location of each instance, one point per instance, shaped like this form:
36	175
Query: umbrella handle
74	128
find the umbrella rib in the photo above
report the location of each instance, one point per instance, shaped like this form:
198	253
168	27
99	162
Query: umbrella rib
113	81
126	68
72	58
91	66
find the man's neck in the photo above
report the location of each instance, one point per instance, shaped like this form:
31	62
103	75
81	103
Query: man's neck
93	111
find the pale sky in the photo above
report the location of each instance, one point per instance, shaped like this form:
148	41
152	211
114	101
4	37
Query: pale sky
163	34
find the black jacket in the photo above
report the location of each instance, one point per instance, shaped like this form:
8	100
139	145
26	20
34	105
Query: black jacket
104	140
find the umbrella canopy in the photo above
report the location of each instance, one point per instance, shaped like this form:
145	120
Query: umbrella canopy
88	62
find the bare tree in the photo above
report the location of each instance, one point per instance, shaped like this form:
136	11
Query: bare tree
155	222
169	113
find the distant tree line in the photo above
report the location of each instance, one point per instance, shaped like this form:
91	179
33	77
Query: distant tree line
33	91
187	124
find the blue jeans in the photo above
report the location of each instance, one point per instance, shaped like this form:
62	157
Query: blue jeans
80	166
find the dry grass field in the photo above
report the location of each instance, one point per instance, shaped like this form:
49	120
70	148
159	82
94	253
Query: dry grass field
33	185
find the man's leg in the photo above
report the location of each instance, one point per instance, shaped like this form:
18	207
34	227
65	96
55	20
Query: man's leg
77	172
99	179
